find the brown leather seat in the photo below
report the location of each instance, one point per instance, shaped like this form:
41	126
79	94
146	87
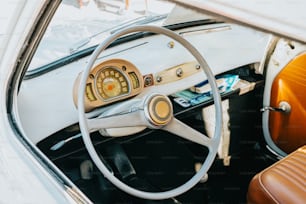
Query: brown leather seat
283	182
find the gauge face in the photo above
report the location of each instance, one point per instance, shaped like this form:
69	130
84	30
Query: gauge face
111	83
108	82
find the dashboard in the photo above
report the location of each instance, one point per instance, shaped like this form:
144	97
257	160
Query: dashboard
47	104
114	80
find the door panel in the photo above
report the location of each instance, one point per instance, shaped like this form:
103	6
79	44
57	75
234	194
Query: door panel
288	130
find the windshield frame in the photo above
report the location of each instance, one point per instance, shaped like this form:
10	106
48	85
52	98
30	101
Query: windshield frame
16	74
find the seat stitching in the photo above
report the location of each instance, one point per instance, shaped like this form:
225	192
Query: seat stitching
293	179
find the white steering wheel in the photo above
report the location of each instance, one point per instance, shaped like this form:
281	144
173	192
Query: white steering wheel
154	111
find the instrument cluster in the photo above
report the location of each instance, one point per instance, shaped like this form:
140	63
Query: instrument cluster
117	79
110	81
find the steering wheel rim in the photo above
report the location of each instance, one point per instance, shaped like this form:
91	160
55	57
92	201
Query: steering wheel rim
215	140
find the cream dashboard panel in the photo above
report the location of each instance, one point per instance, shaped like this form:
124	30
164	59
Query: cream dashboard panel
46	103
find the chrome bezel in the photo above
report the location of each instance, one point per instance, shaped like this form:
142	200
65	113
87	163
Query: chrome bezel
127	79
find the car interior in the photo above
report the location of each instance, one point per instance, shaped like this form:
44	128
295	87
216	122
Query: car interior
186	112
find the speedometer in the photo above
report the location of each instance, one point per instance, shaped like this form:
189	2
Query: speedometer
111	83
108	82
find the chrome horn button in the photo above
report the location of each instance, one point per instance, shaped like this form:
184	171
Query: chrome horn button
158	110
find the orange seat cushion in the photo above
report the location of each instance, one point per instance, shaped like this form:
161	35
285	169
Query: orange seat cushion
283	182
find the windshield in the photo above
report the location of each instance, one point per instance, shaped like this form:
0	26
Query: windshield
79	24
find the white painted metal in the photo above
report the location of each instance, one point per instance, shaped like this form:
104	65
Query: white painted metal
285	18
22	178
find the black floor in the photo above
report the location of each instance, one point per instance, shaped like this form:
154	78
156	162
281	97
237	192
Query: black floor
165	161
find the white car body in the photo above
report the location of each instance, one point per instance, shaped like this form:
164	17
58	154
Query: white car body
24	178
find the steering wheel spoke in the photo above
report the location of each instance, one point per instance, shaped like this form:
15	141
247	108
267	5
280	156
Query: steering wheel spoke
182	130
129	119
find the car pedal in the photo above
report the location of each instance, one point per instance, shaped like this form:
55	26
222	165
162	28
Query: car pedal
86	170
117	156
